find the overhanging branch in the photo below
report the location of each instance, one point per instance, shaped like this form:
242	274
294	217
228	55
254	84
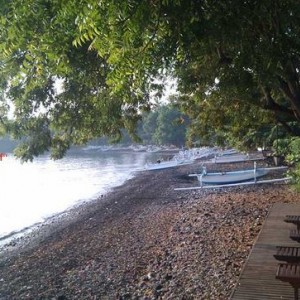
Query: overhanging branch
272	105
290	93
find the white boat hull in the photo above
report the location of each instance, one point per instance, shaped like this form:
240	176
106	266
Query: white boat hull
167	164
275	180
231	177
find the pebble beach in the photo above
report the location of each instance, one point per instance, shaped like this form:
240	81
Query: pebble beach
144	240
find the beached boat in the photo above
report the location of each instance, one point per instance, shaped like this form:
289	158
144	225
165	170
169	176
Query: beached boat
201	153
231	177
228	152
235	158
167	164
214	186
234	178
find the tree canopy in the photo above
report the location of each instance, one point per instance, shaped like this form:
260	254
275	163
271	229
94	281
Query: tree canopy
236	62
165	125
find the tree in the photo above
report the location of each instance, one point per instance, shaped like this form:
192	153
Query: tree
150	125
165	125
171	127
228	56
253	52
37	52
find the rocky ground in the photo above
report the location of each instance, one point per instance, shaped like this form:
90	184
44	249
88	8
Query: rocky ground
143	241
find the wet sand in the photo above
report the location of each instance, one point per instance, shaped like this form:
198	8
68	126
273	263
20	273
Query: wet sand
143	241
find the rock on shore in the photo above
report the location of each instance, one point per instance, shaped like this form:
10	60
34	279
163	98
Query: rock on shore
144	241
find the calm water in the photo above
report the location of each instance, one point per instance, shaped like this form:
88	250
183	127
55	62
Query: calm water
32	192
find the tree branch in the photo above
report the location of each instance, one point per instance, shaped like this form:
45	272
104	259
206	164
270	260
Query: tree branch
286	127
271	104
289	90
223	58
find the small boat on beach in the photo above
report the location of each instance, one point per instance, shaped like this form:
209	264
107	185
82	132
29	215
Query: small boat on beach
167	164
226	152
235	158
231	177
234	178
180	159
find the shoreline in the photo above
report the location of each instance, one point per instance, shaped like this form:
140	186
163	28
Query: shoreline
143	240
72	185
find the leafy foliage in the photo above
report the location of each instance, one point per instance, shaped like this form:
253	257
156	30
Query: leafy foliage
294	154
166	126
238	72
293	158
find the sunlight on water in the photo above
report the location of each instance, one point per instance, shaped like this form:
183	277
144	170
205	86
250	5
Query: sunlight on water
31	192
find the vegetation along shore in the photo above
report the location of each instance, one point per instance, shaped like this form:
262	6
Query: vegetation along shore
179	73
144	241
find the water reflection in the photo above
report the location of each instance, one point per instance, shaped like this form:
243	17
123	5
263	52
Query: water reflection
31	192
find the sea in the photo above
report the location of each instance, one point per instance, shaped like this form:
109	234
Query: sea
34	191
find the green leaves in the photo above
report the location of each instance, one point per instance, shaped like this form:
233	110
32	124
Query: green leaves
38	137
165	126
230	67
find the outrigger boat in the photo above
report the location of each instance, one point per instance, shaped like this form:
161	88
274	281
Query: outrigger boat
235	158
167	164
231	177
234	178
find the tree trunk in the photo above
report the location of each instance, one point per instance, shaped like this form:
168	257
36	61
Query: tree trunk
292	95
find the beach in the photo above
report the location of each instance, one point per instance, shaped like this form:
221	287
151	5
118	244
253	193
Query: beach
144	240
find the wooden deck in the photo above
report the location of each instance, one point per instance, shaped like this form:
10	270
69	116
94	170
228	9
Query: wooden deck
257	281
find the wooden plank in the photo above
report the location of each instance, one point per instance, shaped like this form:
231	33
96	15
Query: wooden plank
288	254
258	278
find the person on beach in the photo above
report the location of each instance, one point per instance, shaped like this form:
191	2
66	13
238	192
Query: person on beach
2	155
